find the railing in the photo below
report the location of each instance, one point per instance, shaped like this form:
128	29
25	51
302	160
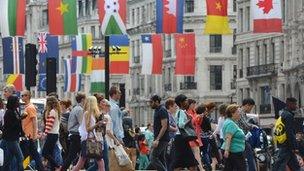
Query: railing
168	87
265	108
268	69
217	49
168	53
136	91
188	85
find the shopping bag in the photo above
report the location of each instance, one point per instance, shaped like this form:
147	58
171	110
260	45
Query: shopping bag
121	155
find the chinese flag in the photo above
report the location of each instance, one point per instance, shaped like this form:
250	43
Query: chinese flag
185	54
217	19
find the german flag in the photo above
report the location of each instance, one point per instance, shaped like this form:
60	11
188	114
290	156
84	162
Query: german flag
217	17
119	54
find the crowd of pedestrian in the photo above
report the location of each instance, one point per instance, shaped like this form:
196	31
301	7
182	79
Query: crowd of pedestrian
89	135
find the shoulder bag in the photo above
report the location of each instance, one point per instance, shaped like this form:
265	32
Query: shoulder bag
187	132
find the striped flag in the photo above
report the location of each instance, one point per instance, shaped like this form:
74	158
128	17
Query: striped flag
112	16
119	54
48	47
62	17
72	80
152	50
17	80
98	76
80	52
217	17
13	56
12	17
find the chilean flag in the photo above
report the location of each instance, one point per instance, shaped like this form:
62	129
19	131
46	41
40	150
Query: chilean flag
169	16
152	50
267	16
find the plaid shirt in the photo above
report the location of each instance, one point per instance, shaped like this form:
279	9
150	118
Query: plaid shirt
243	122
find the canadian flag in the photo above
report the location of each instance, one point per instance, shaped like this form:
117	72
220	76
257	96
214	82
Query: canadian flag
267	16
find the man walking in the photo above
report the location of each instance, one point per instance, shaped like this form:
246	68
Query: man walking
288	149
161	135
243	123
30	129
74	121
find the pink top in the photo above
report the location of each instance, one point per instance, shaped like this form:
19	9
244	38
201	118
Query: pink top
196	122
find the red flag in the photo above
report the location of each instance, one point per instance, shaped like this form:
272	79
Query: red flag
185	54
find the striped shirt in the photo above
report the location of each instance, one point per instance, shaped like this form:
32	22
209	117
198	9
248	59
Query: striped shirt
52	123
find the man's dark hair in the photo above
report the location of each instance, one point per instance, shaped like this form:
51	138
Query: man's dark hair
248	101
155	98
113	90
79	97
53	94
291	100
200	109
179	99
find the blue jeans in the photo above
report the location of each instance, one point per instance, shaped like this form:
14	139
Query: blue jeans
105	155
286	157
57	155
49	149
249	154
30	146
205	150
12	150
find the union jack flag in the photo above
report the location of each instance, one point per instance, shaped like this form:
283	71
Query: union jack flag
42	42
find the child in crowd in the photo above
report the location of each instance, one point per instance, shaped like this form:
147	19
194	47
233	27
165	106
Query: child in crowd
143	152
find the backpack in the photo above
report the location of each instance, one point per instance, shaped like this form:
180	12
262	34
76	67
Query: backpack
280	135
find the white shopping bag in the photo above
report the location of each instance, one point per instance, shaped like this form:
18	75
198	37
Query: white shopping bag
121	155
1	157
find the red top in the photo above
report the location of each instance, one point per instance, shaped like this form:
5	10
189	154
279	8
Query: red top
143	147
196	122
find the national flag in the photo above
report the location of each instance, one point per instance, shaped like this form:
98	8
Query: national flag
48	47
62	17
185	54
277	105
152	50
267	16
169	16
13	55
217	21
80	52
119	54
17	80
12	17
72	81
42	82
112	16
98	76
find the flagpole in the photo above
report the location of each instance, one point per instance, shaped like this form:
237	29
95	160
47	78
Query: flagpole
107	67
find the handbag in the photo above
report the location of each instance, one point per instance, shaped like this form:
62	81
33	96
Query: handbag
121	156
93	148
187	132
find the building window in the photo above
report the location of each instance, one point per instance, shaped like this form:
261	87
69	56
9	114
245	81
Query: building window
80	9
248	18
248	92
189	30
189	79
137	16
282	51
94	4
283	10
234	5
257	54
93	32
240	20
133	17
265	53
88	7
215	77
82	29
189	6
273	52
215	43
234	72
265	106
248	56
45	18
143	14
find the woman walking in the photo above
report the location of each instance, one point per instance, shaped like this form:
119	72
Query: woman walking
51	131
234	144
11	133
87	130
63	130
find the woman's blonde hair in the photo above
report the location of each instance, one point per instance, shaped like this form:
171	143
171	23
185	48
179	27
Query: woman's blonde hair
231	109
91	108
52	103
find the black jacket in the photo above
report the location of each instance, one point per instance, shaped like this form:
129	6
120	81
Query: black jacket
289	122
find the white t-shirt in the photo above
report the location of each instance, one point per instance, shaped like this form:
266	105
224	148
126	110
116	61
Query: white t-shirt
83	130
